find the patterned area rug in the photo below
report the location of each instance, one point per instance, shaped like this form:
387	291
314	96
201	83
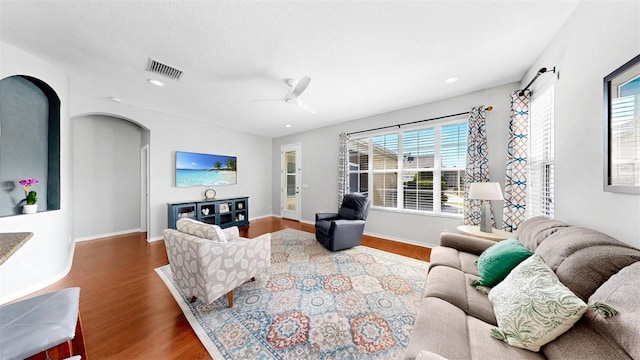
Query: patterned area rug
311	303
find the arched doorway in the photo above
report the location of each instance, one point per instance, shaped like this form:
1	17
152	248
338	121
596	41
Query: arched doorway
109	181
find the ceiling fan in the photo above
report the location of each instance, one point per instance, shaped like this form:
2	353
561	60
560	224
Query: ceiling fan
293	96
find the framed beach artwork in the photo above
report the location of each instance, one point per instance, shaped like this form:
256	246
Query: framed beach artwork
195	169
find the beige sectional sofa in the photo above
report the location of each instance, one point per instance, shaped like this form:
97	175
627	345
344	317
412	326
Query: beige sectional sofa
454	319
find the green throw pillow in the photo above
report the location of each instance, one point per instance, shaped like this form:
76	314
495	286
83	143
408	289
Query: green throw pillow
495	263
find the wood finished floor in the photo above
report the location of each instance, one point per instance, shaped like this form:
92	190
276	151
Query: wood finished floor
127	311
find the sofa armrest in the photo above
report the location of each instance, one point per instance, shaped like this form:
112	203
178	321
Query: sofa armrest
465	243
326	216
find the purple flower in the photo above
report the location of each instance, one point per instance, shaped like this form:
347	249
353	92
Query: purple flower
27	183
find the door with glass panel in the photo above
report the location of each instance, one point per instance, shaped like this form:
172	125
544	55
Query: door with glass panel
290	182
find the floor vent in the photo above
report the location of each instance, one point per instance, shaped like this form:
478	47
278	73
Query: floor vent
163	69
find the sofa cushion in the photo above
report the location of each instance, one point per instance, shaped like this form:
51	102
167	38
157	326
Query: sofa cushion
532	307
583	259
622	292
495	263
583	342
445	330
453	286
200	229
534	231
446	256
483	346
440	328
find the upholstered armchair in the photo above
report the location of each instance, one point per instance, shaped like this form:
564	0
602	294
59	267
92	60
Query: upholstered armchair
207	262
343	230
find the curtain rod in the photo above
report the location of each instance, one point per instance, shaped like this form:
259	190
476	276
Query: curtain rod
488	108
540	72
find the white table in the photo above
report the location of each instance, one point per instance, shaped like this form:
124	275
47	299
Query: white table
495	234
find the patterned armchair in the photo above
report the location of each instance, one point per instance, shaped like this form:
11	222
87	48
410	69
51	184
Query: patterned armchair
207	262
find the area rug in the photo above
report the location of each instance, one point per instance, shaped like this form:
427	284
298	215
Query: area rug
311	303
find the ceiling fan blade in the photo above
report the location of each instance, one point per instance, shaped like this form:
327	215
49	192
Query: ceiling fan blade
303	105
300	86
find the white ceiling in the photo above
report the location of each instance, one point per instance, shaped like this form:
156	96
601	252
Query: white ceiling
364	58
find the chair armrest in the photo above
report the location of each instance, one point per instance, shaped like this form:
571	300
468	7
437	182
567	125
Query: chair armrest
326	216
231	232
465	243
344	224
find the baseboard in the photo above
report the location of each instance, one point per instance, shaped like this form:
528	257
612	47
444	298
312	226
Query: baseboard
101	236
383	236
402	240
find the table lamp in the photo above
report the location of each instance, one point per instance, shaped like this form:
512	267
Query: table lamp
485	191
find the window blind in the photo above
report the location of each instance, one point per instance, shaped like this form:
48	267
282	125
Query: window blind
541	158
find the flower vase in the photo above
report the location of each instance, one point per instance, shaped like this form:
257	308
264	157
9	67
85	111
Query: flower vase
30	209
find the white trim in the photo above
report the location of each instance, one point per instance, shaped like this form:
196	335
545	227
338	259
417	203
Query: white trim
100	236
145	184
297	147
390	238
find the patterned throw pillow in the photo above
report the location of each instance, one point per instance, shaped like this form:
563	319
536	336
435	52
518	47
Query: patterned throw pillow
532	306
495	263
200	229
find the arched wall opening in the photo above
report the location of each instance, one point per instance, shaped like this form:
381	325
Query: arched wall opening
29	143
109	176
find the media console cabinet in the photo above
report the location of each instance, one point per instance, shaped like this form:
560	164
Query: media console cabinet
222	212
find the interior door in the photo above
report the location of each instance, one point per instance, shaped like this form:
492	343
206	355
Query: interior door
290	182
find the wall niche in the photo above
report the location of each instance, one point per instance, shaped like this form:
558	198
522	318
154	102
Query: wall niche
29	143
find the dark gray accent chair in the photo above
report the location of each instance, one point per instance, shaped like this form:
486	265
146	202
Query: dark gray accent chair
343	230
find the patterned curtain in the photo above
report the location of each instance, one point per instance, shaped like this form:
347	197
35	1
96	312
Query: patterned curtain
515	185
477	169
343	167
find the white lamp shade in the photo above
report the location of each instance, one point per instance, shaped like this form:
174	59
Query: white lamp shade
485	191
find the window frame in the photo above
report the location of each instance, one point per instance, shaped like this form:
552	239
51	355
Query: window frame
437	169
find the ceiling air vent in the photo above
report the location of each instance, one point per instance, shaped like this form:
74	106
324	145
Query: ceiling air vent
163	69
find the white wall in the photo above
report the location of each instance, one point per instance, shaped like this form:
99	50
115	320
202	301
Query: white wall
106	175
47	257
169	133
598	38
320	164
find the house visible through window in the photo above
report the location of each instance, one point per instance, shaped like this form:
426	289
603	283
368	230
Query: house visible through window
541	159
418	170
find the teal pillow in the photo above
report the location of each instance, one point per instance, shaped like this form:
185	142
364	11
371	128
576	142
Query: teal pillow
495	263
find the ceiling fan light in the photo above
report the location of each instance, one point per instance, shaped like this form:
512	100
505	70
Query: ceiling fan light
155	82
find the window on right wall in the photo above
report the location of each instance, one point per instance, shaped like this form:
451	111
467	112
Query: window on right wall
540	187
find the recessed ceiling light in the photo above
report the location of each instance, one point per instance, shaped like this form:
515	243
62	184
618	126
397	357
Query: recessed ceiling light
452	79
156	82
288	125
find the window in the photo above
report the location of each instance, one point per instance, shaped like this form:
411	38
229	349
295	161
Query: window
419	170
541	163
